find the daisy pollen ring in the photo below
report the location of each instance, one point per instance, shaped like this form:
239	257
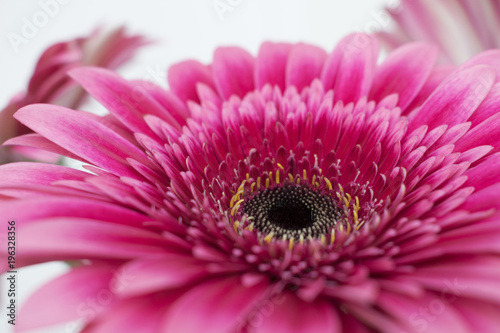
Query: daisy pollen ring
292	211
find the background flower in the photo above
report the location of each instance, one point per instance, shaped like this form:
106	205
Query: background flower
170	203
460	28
51	84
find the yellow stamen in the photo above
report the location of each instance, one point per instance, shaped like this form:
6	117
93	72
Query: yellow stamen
314	179
301	239
249	227
332	237
329	184
269	237
236	207
348	201
290	244
236	224
267	182
252	187
248	177
277	176
258	182
348	228
304	174
323	239
280	166
290	177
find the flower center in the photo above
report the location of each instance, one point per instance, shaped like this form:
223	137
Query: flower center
292	211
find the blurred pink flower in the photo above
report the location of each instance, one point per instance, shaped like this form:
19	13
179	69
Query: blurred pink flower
461	28
51	84
295	191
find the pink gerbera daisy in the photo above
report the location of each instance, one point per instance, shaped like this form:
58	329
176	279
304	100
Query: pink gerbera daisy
297	191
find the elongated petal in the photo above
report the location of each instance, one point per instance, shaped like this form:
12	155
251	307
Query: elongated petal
69	296
287	313
411	64
233	71
304	64
97	143
350	67
456	98
271	64
234	304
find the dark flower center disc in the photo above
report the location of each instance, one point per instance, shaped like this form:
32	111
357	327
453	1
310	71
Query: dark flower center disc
292	211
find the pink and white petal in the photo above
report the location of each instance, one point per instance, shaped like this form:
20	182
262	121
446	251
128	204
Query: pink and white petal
350	67
437	76
35	140
161	272
31	173
270	65
96	142
485	133
67	238
411	64
125	100
184	77
304	65
489	57
234	303
485	173
233	71
292	315
67	298
456	98
488	108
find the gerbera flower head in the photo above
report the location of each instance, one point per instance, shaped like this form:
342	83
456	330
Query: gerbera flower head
461	29
297	191
50	82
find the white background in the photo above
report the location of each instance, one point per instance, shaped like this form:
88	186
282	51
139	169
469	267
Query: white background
184	29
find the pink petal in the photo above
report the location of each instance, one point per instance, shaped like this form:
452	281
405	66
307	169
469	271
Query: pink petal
485	173
488	108
219	305
455	99
28	210
288	313
156	273
184	76
304	65
80	293
484	199
96	142
125	100
63	238
427	314
350	67
271	64
437	76
134	315
411	64
37	141
480	316
485	133
233	71
37	174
